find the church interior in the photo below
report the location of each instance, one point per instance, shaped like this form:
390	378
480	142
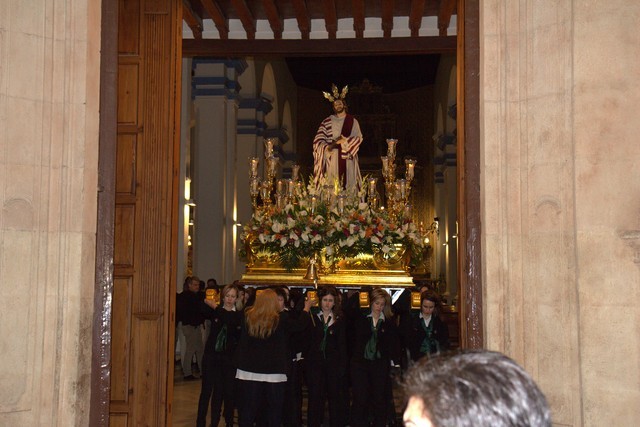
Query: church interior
125	129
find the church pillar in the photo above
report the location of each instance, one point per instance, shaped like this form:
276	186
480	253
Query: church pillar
215	93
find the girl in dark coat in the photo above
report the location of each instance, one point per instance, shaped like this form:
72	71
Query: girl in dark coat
263	358
426	333
218	371
326	361
376	345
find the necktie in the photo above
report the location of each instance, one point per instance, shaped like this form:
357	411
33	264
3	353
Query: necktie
325	327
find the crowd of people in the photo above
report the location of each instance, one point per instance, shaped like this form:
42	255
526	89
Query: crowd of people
262	346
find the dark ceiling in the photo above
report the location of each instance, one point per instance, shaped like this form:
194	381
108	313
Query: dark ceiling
394	73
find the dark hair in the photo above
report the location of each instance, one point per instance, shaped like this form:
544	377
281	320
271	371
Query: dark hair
323	291
476	388
434	298
281	292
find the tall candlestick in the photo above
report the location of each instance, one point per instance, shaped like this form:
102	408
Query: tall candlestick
295	170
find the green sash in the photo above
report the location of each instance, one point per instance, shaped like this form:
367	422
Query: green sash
371	351
221	339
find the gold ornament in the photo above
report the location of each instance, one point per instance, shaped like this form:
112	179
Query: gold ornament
335	95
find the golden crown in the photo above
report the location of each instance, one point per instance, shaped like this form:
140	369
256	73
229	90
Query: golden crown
335	95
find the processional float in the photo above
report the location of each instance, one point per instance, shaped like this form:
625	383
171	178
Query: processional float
302	233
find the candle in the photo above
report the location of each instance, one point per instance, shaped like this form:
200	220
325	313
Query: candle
295	170
410	165
385	164
401	187
372	185
253	167
255	185
391	147
290	185
268	148
280	186
272	163
341	199
264	193
314	201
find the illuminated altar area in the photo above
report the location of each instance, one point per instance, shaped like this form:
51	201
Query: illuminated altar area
301	233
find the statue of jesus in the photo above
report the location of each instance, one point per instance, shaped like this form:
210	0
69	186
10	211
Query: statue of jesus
336	145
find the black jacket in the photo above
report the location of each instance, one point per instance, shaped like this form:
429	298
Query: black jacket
220	317
269	355
414	334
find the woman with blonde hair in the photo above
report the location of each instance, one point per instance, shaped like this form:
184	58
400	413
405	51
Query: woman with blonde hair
376	345
263	357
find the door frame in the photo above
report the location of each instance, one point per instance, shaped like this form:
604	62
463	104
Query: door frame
470	256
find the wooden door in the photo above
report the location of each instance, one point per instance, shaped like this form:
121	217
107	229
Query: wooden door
149	58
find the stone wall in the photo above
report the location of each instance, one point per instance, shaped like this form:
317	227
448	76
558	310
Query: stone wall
49	93
560	189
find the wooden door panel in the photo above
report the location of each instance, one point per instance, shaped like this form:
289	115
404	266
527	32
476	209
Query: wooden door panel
145	210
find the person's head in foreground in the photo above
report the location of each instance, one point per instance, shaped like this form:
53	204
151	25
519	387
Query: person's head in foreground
473	388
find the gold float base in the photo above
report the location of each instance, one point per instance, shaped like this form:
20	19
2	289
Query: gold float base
269	276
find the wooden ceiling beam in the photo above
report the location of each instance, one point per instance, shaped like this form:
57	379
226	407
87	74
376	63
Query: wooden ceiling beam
330	17
193	20
415	17
246	17
319	47
302	16
447	7
275	20
215	13
358	18
387	17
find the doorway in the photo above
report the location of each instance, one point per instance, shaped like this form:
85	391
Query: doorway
468	205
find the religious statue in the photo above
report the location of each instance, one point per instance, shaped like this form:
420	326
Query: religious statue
336	145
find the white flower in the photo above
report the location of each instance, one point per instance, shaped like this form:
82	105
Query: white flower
363	207
293	235
277	227
350	241
283	241
288	208
262	238
374	239
296	243
329	250
316	238
305	236
291	222
386	249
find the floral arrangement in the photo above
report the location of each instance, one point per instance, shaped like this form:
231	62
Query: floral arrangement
304	228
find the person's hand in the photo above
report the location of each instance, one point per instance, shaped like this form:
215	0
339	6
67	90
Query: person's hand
307	304
211	303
